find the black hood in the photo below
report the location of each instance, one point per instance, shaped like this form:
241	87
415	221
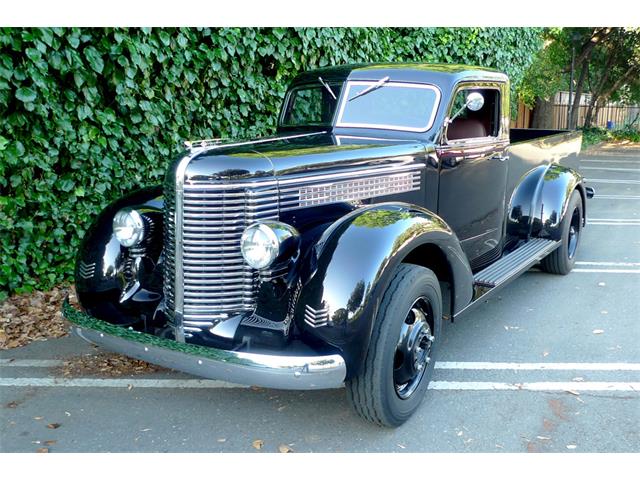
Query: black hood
296	154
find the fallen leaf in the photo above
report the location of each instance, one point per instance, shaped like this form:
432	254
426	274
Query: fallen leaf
38	418
12	404
48	443
53	425
282	408
284	448
32	316
460	433
104	364
129	387
544	354
222	440
598	331
601	284
572	447
42	450
67	414
401	446
258	444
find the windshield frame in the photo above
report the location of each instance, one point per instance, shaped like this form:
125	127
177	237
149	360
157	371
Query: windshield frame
304	86
345	95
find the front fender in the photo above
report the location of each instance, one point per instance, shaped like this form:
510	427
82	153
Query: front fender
100	259
557	185
353	263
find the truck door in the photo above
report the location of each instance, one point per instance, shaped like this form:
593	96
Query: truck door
473	172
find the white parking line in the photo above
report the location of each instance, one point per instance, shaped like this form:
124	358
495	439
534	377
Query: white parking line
613	221
602	160
207	384
540	386
116	383
604	270
600	367
615	197
619	224
612	169
611	264
10	362
610	180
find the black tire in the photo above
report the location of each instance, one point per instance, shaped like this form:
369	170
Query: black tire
562	259
412	299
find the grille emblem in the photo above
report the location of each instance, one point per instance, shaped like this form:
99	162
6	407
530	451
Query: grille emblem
316	318
86	270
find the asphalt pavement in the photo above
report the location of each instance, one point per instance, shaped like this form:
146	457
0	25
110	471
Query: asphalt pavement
552	364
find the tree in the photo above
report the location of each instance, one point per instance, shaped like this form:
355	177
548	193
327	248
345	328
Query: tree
614	69
606	64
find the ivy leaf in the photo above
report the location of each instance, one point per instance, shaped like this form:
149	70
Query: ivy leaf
94	58
26	94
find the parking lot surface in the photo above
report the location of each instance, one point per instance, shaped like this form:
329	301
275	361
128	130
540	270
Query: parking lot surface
552	364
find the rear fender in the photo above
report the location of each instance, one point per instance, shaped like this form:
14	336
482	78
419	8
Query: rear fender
556	187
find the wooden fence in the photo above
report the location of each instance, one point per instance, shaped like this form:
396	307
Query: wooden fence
611	115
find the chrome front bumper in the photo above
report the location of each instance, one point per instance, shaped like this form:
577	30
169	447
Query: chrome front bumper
257	369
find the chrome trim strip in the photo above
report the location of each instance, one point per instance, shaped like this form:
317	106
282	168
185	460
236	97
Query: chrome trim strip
206	148
301	372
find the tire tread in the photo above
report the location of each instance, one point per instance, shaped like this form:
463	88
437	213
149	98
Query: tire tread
363	390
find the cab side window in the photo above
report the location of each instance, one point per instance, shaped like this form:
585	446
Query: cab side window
483	123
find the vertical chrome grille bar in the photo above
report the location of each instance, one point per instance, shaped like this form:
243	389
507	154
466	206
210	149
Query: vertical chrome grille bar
178	290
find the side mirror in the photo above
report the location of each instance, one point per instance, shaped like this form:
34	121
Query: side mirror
475	101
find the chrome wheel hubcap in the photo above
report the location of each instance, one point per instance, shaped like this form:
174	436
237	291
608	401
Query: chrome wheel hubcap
413	351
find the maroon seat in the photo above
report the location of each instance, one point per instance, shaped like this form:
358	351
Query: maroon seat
466	128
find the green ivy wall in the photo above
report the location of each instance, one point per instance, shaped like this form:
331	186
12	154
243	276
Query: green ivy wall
89	114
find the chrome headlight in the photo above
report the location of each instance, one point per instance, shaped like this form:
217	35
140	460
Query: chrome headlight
128	227
264	243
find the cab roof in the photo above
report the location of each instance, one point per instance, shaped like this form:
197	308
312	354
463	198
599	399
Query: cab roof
434	73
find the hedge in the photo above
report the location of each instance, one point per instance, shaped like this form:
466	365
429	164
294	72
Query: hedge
88	114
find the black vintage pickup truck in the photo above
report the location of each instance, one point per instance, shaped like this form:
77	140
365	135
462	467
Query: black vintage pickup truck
392	197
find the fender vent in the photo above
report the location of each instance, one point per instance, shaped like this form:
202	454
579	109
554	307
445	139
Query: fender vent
316	318
86	270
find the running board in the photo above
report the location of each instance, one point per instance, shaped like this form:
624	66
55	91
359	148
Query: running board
515	263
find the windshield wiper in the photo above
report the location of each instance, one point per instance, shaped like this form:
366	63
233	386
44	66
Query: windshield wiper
371	88
326	85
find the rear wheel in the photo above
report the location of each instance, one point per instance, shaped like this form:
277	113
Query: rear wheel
562	259
401	355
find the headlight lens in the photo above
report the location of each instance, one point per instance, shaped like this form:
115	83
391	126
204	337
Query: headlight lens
128	227
259	245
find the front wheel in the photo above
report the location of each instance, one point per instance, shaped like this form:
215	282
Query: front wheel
401	356
562	259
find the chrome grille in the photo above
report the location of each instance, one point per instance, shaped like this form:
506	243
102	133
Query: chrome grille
217	281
